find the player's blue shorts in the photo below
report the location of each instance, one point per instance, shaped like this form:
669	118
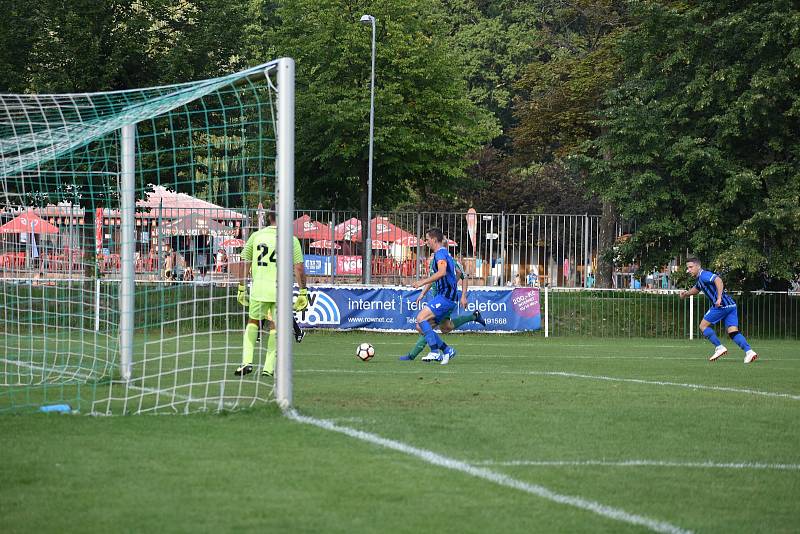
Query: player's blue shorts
729	315
441	307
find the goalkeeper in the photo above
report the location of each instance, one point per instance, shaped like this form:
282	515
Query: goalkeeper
260	255
448	324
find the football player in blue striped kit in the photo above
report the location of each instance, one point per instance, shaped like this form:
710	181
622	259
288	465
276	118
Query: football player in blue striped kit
446	294
723	308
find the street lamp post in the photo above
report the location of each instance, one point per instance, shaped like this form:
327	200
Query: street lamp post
369	19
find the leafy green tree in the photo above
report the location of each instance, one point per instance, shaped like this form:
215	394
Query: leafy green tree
494	41
705	137
561	99
85	45
425	124
15	44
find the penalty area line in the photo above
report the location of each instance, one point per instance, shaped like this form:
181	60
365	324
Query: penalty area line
439	460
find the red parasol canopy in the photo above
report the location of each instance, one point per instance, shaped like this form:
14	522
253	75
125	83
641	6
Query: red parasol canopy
413	241
28	222
196	224
382	230
409	241
324	243
377	244
349	230
307	228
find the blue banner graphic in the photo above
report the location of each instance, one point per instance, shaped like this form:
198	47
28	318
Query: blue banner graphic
394	309
318	265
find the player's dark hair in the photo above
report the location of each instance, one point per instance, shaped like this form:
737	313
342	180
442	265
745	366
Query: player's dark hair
436	234
271	212
693	259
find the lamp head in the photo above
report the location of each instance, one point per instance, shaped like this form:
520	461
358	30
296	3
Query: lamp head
367	19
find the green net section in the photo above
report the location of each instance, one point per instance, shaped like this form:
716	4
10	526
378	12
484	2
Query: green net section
205	157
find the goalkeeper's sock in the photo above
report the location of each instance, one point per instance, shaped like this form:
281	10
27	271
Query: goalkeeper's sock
272	354
419	347
463	319
249	345
296	327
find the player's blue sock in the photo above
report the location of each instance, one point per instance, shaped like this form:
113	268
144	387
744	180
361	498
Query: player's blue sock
712	336
741	341
430	336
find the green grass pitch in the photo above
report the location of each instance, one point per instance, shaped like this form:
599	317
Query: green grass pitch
644	427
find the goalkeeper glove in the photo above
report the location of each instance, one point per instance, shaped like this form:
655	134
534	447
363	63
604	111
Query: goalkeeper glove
241	296
302	300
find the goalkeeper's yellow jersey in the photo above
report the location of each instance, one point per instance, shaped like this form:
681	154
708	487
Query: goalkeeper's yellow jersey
260	251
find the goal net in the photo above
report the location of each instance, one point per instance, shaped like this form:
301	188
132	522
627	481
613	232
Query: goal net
122	219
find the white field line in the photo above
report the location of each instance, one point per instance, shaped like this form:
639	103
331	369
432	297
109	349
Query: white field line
642	463
664	383
479	341
72	374
492	476
571	375
700	359
165	392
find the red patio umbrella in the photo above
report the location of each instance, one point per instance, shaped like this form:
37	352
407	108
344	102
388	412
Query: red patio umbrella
307	228
325	244
377	244
233	243
409	241
413	241
382	230
349	230
28	222
196	224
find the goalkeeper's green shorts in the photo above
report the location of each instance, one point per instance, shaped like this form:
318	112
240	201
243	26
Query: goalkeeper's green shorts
259	310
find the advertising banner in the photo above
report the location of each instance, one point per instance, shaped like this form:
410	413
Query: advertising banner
348	264
394	309
318	265
98	230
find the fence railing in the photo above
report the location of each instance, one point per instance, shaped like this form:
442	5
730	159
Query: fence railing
662	313
494	248
603	313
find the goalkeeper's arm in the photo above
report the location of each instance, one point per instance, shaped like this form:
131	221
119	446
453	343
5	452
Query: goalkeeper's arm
241	294
302	299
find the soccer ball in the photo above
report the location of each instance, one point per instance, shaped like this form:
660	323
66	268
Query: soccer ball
365	352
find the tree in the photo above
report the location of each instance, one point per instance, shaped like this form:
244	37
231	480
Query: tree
425	125
561	98
705	137
493	43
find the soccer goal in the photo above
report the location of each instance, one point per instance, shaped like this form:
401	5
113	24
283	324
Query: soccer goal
122	221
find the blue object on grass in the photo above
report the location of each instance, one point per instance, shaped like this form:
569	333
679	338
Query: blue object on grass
56	408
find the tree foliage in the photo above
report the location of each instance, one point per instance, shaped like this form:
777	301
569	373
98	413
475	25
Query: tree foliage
705	137
425	125
682	116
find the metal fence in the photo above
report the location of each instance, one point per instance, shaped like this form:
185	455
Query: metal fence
662	313
494	248
554	252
